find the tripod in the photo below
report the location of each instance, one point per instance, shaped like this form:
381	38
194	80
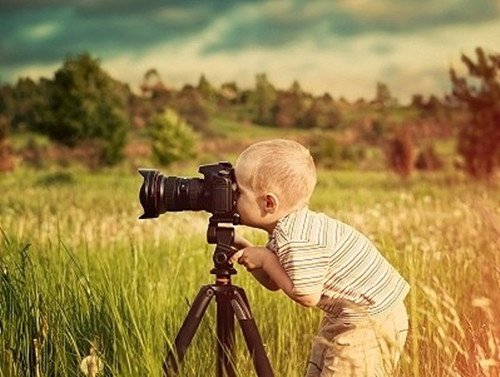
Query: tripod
231	301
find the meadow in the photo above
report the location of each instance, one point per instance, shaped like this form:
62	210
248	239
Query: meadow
80	274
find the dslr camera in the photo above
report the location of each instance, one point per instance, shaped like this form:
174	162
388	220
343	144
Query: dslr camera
214	193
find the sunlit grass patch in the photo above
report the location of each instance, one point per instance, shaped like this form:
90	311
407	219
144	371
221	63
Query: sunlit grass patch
79	271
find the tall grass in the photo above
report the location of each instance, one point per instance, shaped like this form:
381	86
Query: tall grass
79	274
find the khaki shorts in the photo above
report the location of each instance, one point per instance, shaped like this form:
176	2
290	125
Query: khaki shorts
366	348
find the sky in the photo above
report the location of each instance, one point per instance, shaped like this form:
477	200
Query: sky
343	47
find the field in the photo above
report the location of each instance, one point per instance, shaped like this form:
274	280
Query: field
80	272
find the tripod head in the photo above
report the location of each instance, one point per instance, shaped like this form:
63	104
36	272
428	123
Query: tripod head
222	237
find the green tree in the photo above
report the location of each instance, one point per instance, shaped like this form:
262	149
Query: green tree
191	106
85	105
6	163
6	102
479	138
154	89
30	99
323	113
263	99
290	107
172	138
229	93
6	111
206	90
383	96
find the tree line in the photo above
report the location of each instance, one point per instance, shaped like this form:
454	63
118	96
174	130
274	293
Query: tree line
83	105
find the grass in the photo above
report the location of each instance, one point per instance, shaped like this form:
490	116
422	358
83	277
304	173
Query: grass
78	270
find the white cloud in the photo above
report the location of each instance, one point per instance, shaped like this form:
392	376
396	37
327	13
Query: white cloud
41	31
409	63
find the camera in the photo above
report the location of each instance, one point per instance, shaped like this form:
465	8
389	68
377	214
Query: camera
215	193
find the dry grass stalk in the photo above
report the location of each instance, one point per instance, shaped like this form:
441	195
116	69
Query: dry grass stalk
92	364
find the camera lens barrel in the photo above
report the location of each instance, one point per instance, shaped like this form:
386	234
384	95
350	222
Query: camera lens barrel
214	193
182	194
159	193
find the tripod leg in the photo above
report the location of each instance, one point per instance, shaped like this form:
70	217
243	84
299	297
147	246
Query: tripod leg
225	334
251	334
188	329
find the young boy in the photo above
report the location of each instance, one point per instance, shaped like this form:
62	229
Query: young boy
320	261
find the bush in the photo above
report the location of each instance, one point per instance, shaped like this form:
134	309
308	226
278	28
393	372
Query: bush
399	152
191	105
427	159
172	138
56	179
6	162
33	153
328	152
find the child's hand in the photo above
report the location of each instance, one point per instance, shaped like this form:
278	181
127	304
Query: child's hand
251	257
240	242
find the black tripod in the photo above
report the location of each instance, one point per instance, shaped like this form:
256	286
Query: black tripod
231	301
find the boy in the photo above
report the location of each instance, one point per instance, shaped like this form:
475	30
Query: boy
319	261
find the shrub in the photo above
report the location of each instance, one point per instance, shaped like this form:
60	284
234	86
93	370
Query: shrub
331	154
191	105
56	179
33	153
428	159
6	162
399	152
172	138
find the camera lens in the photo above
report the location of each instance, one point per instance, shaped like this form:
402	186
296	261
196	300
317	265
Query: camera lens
159	193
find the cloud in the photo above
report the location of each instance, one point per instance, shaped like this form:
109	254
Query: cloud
105	30
343	47
273	24
409	64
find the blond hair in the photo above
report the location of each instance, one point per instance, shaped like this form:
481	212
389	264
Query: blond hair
283	167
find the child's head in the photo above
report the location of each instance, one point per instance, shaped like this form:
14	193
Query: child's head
283	168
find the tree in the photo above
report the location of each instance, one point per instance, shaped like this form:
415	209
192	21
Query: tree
7	102
323	113
206	90
23	103
85	105
152	87
383	96
399	152
479	138
290	108
428	159
30	99
263	99
6	111
6	163
191	106
172	138
228	94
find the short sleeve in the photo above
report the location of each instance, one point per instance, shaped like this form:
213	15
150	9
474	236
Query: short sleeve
271	245
306	265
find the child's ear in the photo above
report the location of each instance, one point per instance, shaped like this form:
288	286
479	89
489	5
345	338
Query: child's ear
271	203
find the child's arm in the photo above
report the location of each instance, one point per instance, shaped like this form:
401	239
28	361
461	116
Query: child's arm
262	259
263	278
240	242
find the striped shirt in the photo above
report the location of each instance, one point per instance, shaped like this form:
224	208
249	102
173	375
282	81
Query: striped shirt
324	255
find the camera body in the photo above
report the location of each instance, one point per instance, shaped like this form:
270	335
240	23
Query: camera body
215	193
221	184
